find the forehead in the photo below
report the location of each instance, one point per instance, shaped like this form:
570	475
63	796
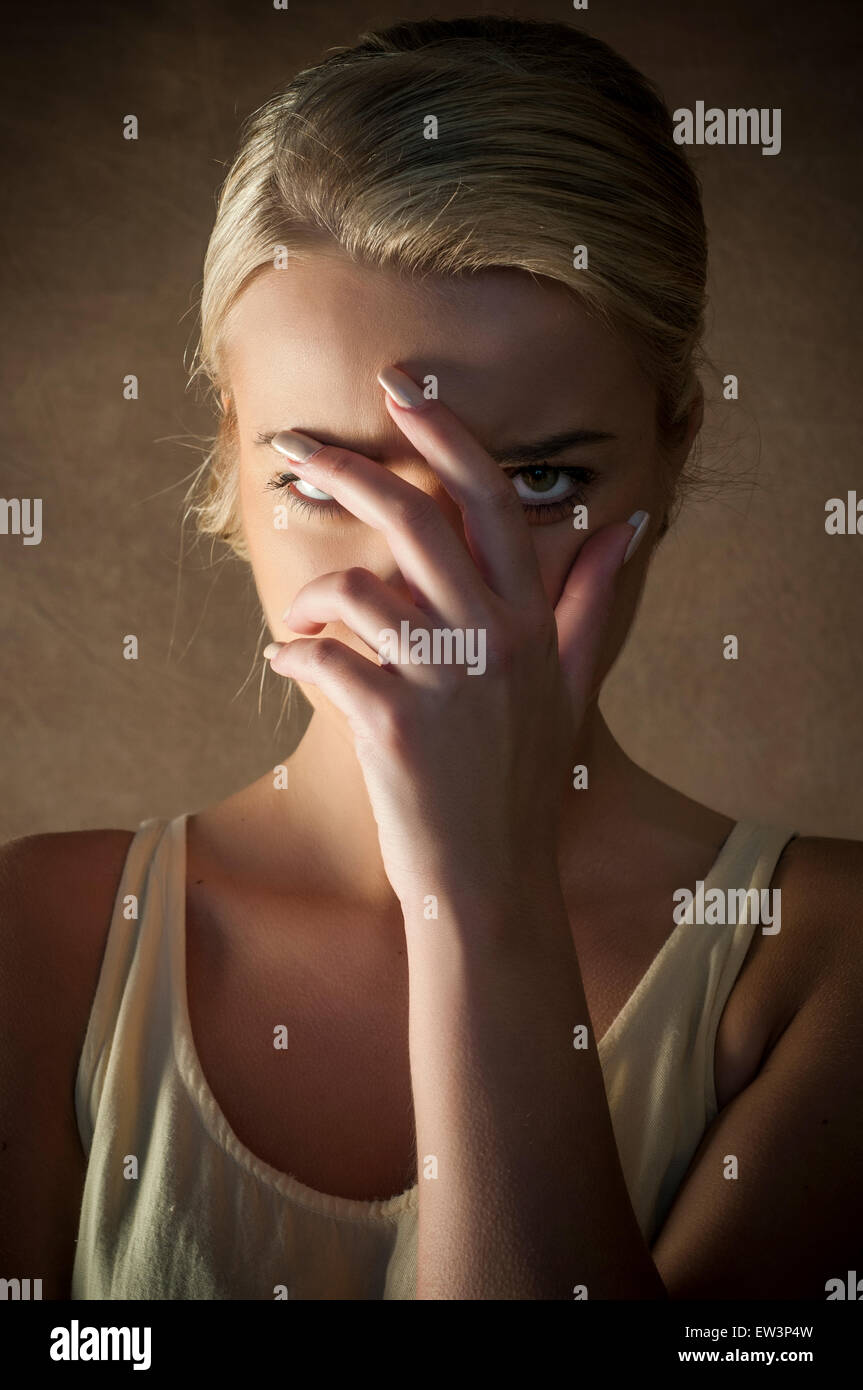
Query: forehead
511	352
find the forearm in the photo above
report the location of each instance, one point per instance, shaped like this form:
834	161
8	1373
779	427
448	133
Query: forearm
529	1200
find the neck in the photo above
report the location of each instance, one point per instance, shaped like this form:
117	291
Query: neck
326	815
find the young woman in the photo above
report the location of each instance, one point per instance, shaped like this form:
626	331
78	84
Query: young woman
427	1011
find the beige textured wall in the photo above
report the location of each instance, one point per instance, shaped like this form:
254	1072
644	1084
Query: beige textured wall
103	253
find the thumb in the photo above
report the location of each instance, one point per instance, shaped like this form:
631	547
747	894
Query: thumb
584	606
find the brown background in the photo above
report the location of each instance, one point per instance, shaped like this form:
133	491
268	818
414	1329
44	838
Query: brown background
103	252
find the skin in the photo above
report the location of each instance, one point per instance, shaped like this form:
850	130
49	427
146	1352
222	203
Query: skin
435	1037
302	356
432	779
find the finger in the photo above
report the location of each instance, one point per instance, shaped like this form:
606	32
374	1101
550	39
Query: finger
355	685
584	607
359	599
494	523
435	564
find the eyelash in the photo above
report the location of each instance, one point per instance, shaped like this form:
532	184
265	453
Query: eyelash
536	512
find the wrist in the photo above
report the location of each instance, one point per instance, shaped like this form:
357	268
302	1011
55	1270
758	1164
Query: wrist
516	905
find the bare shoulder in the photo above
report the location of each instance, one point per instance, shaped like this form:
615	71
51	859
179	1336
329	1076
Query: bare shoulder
56	897
813	961
821	884
791	1228
67	871
813	860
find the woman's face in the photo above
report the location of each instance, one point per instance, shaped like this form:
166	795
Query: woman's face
518	360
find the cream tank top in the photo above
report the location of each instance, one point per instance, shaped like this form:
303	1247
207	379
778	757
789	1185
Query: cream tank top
206	1219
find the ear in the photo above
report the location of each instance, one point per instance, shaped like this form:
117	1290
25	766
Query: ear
226	401
679	452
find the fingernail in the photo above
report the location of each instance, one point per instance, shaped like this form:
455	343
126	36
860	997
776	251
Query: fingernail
403	390
299	447
639	520
273	650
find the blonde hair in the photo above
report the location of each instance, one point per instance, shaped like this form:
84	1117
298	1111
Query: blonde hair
546	140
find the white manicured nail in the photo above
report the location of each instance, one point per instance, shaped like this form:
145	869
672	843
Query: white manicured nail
639	520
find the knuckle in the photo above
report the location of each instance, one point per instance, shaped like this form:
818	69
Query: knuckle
353	583
511	645
415	513
326	653
500	502
333	459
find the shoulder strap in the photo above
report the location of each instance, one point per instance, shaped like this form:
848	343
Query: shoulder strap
751	871
122	942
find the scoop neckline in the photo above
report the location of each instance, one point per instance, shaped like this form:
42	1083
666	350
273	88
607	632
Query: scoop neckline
194	1077
211	1113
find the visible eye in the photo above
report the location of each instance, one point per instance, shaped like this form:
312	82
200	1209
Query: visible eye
301	494
306	490
548	492
544	483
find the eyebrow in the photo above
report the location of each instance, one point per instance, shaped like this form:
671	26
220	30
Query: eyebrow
538	451
542	449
